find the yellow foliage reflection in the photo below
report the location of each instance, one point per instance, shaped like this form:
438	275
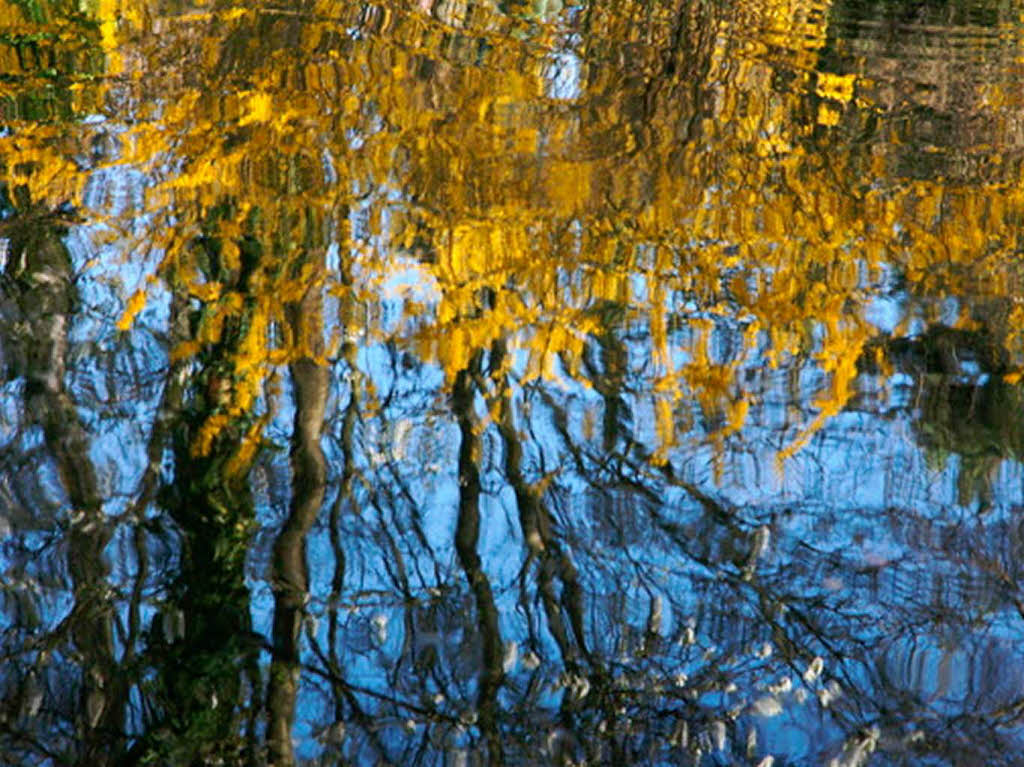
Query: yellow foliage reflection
693	168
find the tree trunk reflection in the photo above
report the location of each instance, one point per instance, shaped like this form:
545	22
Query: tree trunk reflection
467	535
41	283
289	570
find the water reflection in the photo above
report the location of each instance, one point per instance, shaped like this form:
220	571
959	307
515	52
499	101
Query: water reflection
449	382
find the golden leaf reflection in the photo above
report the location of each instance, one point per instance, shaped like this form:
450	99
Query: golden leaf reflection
683	177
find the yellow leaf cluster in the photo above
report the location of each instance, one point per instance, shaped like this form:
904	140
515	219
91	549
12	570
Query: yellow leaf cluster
534	223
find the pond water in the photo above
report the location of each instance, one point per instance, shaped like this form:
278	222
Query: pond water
484	381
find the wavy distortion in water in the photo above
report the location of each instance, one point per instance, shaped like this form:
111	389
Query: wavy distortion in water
443	382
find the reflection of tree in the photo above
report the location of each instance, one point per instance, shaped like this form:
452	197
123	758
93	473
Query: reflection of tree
309	476
966	408
636	247
40	301
937	115
75	665
727	203
208	666
467	535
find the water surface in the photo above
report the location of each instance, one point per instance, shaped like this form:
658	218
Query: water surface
454	382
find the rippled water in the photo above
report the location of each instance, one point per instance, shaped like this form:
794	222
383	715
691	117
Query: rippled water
450	382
